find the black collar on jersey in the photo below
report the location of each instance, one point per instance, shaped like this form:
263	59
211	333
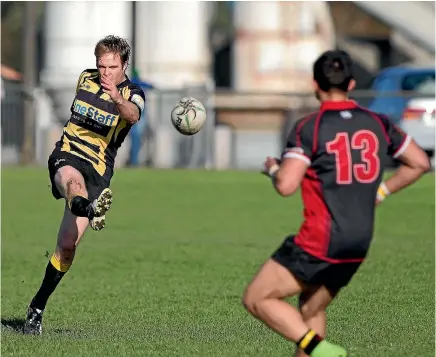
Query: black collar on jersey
123	83
339	105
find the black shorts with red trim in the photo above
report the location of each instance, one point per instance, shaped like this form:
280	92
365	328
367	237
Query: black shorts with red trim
311	270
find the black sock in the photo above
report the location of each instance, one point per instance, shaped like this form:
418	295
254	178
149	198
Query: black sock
81	207
309	341
51	280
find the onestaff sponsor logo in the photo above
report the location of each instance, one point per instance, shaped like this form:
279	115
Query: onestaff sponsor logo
98	115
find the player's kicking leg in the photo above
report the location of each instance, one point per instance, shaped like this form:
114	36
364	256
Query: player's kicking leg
71	185
263	298
79	212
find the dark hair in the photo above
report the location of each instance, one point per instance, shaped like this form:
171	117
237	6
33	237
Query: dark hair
333	70
113	44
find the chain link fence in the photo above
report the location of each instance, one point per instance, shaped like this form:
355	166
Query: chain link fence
12	122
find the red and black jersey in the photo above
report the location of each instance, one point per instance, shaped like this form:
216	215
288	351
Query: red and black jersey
347	148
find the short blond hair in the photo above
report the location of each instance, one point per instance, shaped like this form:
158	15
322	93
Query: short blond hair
113	44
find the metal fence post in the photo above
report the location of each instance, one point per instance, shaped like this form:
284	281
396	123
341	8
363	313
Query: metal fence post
28	148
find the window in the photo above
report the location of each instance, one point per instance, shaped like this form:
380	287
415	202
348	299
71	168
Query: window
421	82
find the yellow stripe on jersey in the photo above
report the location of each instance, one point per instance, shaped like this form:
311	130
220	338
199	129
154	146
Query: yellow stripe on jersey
120	127
92	138
95	129
125	92
66	148
83	76
84	152
90	141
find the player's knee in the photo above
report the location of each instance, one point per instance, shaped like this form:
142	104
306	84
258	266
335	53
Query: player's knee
70	181
251	302
75	186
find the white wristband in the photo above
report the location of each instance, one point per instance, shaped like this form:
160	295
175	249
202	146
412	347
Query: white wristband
273	170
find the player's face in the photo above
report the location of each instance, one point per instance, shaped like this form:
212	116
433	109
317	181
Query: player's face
110	65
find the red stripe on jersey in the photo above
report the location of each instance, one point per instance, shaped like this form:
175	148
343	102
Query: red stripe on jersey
314	234
377	118
315	133
300	126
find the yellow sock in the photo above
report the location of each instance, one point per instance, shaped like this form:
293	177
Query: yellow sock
62	267
309	341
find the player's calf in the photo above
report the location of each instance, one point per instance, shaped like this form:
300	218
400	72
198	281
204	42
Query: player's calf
312	306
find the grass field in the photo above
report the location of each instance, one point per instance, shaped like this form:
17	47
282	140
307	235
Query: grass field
165	277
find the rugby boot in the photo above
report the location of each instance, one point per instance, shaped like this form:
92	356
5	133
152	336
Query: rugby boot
100	206
327	349
33	323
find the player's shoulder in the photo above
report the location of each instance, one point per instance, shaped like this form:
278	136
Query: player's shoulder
92	72
134	88
370	112
307	121
87	74
134	93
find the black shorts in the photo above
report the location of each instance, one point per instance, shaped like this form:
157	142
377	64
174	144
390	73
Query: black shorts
313	271
95	184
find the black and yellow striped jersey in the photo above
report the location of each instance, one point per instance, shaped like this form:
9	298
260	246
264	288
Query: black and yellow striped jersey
95	129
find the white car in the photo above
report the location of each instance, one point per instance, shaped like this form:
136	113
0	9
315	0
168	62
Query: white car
418	121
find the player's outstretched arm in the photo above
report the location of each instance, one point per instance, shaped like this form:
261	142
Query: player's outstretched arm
415	163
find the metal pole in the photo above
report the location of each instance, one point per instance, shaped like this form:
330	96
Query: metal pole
29	74
133	32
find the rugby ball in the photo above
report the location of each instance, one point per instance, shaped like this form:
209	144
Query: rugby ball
188	116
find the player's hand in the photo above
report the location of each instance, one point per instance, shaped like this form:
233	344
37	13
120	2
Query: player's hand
110	88
269	163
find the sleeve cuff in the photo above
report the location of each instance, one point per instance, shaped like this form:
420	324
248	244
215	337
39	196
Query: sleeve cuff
295	155
403	146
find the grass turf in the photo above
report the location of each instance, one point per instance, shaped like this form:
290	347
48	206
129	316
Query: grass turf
165	277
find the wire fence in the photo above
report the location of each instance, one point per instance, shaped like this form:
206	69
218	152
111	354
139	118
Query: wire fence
241	127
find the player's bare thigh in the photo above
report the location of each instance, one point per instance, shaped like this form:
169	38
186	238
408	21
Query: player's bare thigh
272	281
70	182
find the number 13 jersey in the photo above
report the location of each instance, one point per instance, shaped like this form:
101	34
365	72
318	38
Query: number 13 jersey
346	147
